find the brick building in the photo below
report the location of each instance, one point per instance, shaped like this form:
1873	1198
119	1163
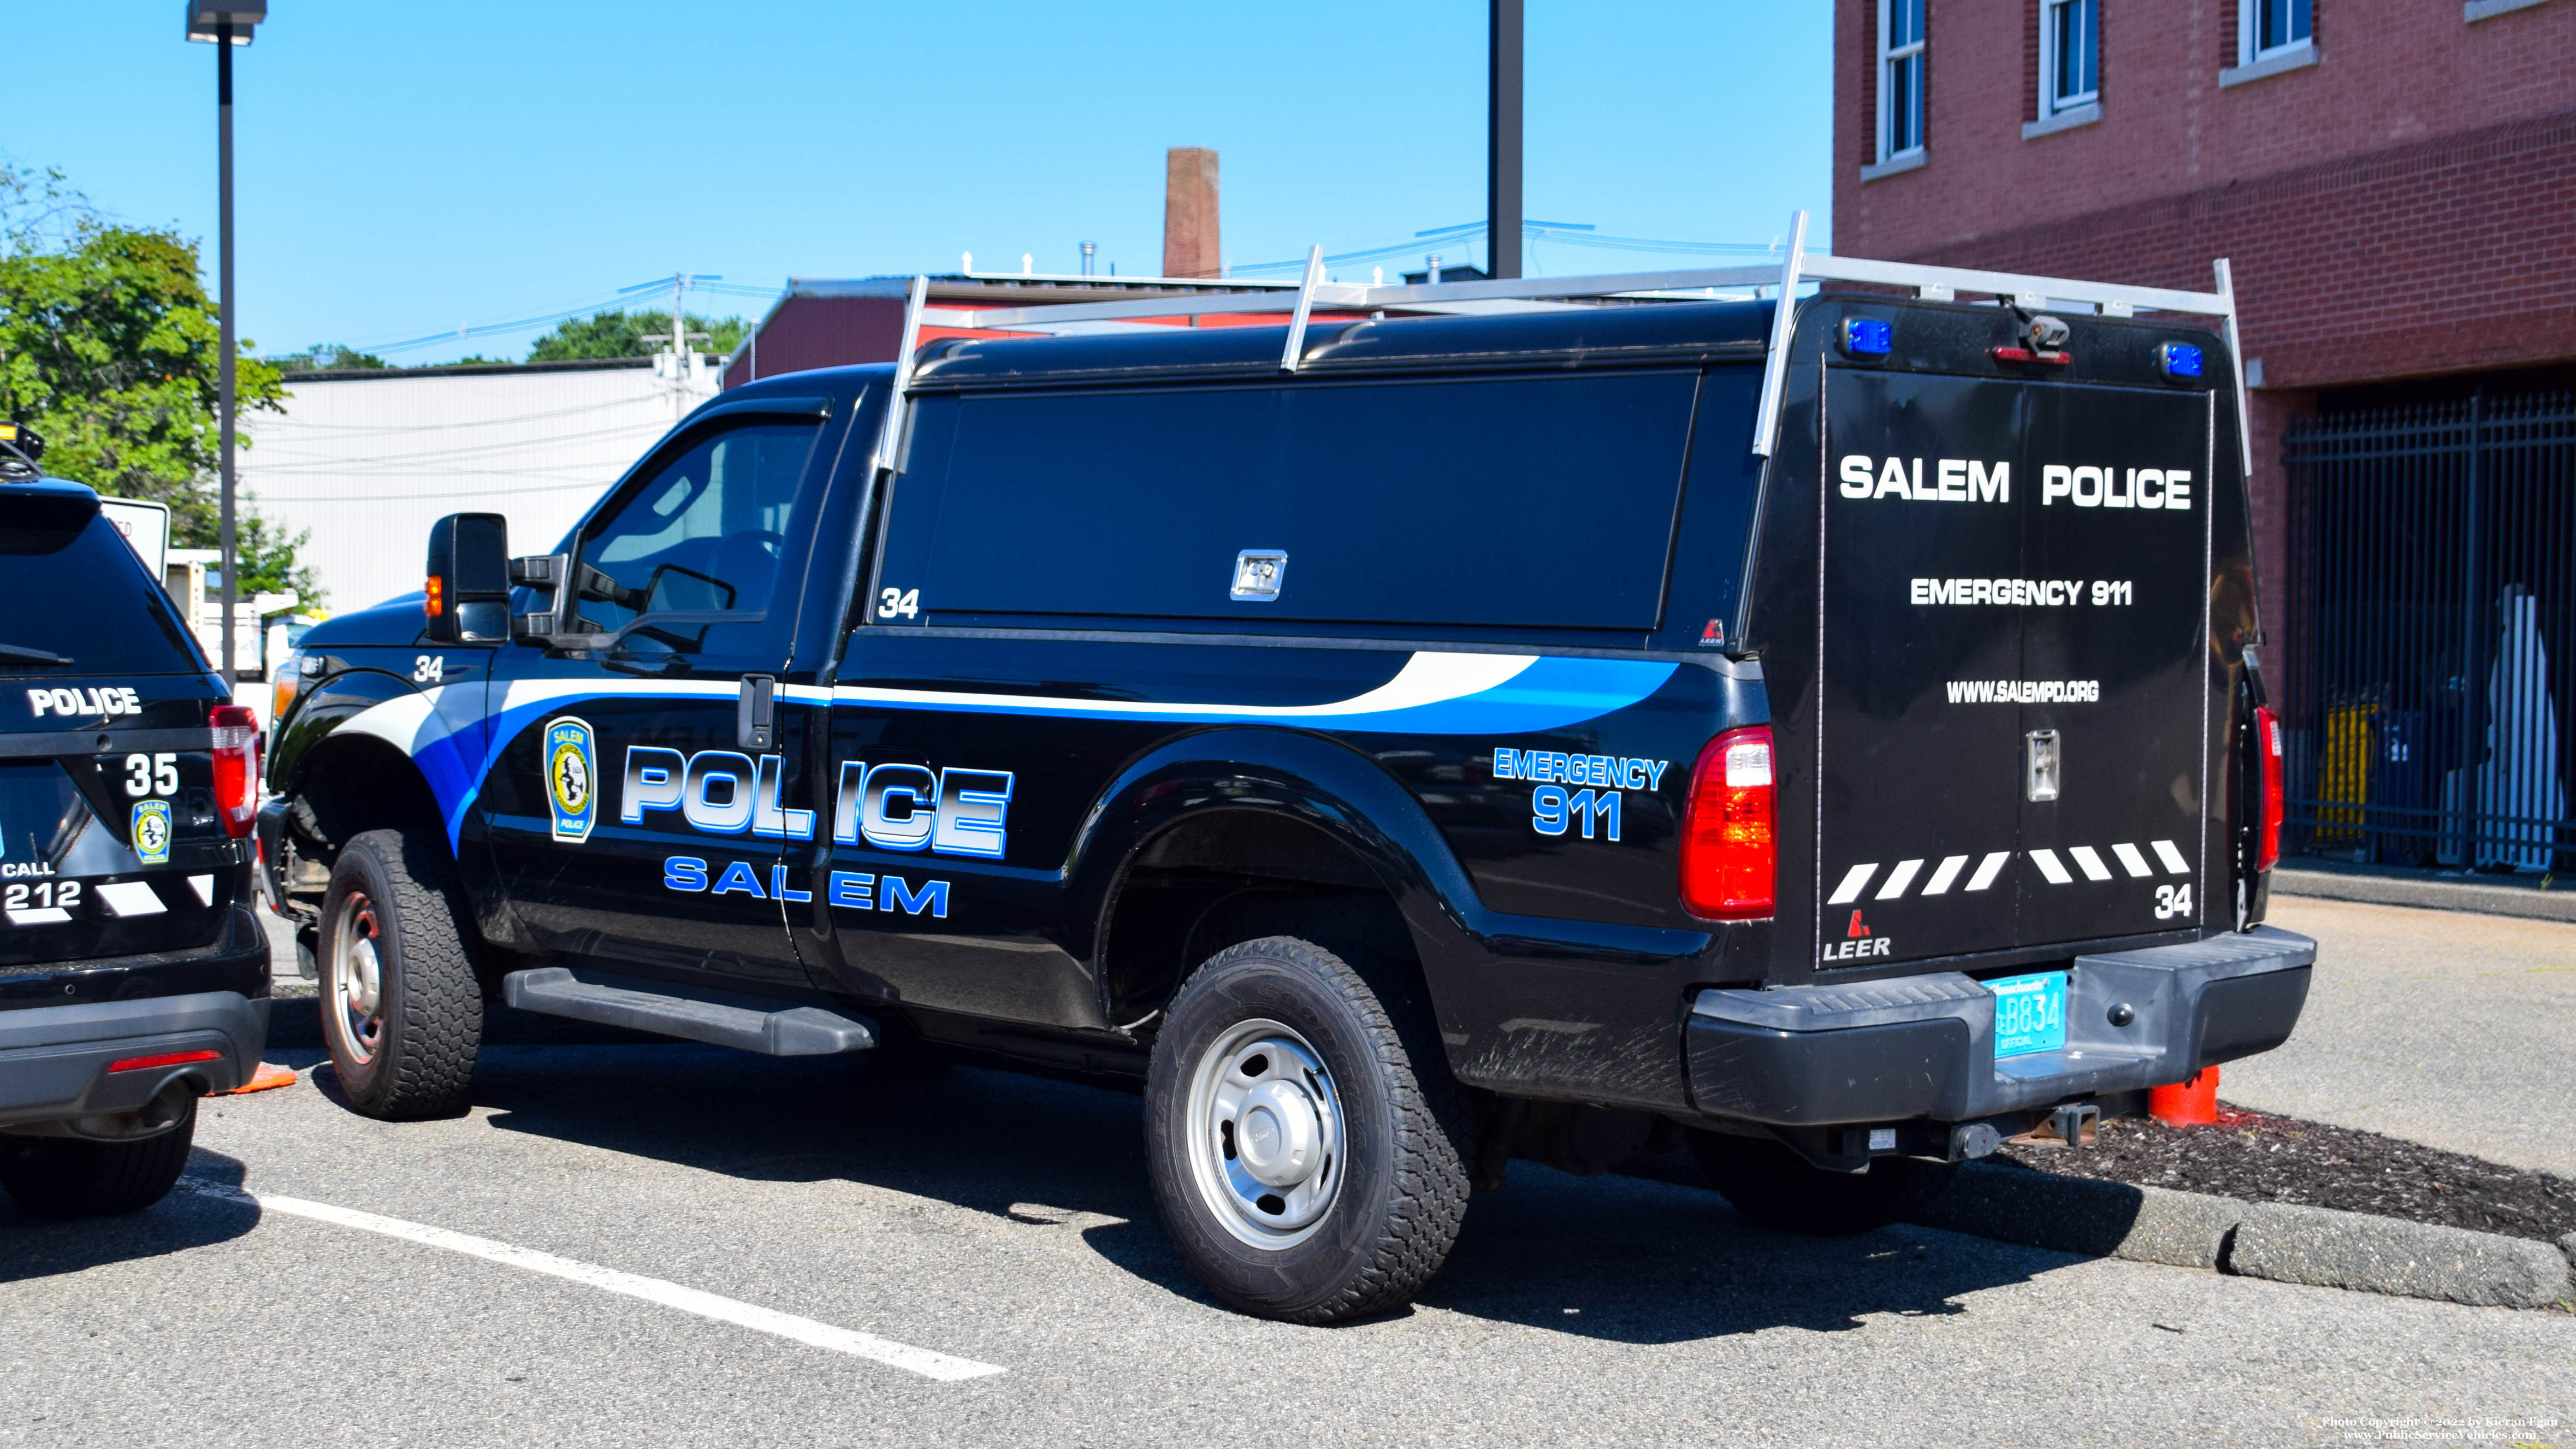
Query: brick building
2395	183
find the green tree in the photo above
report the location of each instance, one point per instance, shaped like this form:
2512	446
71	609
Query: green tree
632	334
271	560
328	356
109	346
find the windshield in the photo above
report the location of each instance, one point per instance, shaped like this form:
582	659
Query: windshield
75	600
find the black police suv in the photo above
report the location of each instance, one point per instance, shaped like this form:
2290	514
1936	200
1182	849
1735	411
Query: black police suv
133	978
1464	745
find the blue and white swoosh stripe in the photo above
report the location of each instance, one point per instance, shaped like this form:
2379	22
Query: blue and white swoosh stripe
1435	693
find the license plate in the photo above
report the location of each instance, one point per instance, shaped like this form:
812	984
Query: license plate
2030	1013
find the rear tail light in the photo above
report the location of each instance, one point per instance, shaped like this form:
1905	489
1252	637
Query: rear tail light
1730	836
164	1059
236	766
2267	745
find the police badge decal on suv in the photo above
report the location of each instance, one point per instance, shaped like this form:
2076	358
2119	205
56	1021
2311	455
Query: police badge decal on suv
1598	770
133	977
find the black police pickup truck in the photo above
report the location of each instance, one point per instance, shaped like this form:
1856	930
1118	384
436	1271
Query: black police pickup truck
1435	740
133	977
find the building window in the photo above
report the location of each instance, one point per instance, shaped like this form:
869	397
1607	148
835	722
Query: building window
2070	55
2270	29
1900	78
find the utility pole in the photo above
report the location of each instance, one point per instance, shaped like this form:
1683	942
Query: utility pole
1503	141
681	337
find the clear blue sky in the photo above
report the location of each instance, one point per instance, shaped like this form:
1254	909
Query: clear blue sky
404	169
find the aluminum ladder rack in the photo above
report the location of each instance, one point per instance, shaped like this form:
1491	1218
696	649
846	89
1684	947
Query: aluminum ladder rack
1528	294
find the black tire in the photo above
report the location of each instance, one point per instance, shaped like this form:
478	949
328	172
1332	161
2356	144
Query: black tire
413	1057
65	1177
1401	1189
1779	1189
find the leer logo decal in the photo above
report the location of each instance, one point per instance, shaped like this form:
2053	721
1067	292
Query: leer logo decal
150	831
570	771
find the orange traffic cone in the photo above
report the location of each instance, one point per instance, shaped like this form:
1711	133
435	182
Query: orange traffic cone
267	1077
2187	1104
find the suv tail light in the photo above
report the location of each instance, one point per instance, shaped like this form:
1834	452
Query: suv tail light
236	766
2267	747
1730	839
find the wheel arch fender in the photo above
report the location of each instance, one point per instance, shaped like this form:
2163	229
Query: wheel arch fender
1320	783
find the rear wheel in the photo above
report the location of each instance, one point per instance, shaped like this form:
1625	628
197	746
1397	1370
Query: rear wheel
1302	1134
1779	1189
66	1177
402	1013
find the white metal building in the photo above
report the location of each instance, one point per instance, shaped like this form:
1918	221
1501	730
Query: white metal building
368	459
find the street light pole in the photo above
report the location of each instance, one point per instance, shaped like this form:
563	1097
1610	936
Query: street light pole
226	23
224	364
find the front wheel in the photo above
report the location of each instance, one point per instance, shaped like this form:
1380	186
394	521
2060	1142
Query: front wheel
1777	1188
402	1013
1302	1134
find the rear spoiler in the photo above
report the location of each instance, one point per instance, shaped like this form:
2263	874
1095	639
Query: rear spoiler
1527	294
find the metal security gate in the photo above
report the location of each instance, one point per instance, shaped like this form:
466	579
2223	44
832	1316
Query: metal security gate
2430	690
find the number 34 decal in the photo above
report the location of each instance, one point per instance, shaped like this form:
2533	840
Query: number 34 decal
898	603
2172	901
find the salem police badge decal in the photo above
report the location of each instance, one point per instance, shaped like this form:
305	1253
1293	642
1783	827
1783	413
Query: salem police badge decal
571	773
149	829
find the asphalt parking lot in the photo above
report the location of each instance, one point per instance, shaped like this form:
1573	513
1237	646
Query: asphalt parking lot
973	1258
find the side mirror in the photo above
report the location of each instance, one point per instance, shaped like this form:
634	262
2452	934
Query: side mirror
469	579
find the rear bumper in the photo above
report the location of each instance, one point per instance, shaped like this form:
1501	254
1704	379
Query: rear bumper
1923	1047
54	1060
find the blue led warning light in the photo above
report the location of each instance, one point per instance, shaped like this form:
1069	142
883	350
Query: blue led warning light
1868	337
2178	359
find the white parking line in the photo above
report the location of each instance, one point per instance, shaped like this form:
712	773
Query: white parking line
922	1361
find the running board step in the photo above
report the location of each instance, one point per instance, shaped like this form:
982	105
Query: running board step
657	1006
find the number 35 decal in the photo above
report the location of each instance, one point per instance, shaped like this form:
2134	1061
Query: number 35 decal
2172	901
898	603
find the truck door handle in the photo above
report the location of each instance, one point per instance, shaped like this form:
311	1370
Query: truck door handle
755	713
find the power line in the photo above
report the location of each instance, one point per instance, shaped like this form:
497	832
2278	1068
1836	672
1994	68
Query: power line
1572	233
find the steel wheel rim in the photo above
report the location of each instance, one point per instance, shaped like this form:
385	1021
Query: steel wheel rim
357	978
1267	1136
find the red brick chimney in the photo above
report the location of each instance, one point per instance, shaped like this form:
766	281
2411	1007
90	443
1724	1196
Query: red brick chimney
1189	213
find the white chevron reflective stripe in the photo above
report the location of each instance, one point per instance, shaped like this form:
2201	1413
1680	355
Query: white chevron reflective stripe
130	898
2052	867
204	886
1898	879
40	916
1849	891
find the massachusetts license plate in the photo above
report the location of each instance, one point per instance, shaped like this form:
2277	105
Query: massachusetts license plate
2030	1013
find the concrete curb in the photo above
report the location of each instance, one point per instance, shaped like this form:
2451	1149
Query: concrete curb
2423	889
2282	1242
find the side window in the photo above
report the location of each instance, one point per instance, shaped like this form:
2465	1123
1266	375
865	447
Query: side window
700	535
1510	502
